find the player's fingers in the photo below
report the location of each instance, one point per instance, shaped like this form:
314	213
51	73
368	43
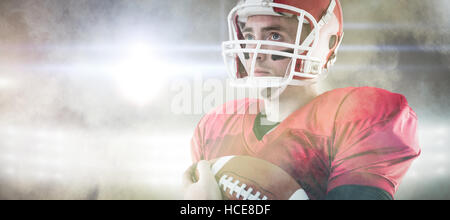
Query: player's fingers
204	170
187	176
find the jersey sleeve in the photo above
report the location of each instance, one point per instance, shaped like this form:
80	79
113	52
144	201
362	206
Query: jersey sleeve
375	140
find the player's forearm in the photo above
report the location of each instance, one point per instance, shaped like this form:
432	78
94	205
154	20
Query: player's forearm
357	192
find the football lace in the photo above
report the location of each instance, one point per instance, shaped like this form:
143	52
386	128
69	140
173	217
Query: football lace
240	189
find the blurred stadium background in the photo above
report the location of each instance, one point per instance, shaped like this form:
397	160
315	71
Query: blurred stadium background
86	89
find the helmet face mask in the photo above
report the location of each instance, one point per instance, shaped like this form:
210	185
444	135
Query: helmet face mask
265	60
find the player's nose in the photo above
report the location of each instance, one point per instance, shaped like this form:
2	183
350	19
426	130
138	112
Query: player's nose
259	56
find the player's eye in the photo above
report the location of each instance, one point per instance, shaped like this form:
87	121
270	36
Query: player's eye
275	36
249	37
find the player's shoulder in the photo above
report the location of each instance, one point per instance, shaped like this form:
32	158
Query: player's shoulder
360	92
368	102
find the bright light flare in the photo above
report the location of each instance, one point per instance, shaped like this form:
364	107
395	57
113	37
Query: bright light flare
5	83
140	74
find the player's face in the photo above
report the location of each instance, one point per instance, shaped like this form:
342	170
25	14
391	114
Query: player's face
271	28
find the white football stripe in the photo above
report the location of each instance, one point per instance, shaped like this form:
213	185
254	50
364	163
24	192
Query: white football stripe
220	163
299	195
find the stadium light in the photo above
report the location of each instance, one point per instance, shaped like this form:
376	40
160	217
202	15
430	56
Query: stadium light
139	75
5	83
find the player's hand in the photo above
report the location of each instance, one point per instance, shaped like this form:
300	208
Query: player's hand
206	188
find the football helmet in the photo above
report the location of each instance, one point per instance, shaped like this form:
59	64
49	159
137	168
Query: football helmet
310	56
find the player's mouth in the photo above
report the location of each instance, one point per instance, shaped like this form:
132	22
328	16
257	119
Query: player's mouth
261	73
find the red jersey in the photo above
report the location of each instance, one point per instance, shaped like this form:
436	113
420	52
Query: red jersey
363	136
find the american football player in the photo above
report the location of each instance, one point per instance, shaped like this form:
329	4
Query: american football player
347	143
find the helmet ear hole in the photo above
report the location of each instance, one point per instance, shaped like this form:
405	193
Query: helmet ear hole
333	41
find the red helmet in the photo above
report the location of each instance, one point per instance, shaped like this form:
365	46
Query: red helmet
310	56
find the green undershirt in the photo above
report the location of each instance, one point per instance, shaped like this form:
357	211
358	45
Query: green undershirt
259	129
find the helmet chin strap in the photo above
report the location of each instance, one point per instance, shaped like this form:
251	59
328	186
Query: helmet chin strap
274	93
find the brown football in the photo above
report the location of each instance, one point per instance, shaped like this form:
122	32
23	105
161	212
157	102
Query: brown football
250	178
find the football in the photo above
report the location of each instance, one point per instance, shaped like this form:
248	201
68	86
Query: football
250	178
